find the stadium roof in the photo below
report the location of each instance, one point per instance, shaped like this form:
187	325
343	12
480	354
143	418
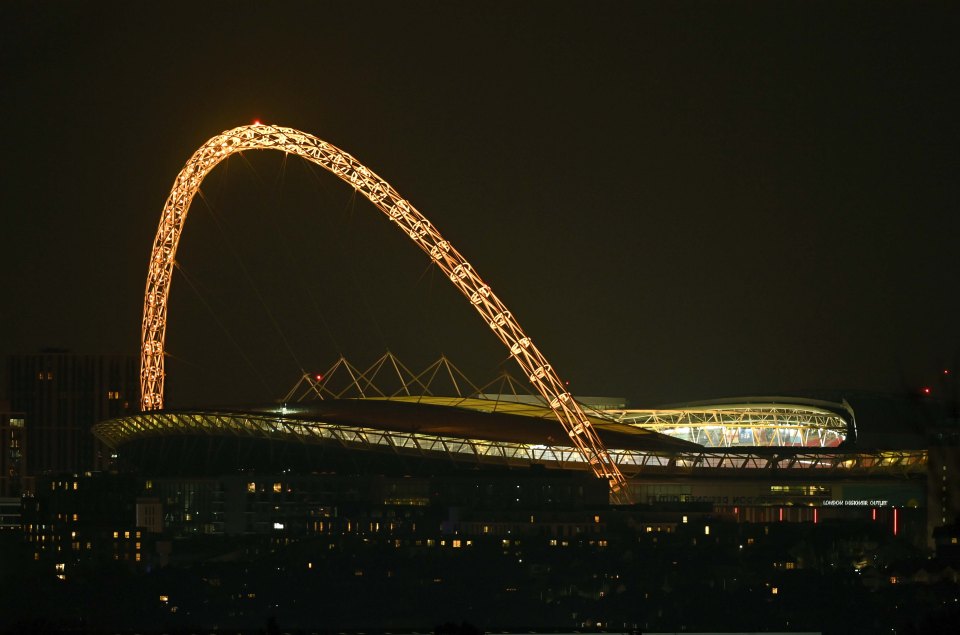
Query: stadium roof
510	422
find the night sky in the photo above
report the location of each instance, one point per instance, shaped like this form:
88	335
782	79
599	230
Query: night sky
677	200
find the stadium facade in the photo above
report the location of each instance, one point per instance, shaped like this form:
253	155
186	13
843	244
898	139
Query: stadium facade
752	460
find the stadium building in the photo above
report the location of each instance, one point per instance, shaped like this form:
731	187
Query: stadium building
757	459
385	436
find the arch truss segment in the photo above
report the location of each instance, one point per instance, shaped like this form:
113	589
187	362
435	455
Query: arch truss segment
410	221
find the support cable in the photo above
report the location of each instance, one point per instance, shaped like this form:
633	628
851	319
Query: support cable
223	327
253	284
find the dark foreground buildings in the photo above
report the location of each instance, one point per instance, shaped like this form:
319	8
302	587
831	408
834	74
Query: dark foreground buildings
59	396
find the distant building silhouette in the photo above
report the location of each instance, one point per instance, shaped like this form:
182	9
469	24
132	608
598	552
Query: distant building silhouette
61	396
12	451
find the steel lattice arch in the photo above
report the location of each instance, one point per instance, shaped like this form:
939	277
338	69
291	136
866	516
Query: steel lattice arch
398	210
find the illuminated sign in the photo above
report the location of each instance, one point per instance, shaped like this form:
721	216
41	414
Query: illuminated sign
855	503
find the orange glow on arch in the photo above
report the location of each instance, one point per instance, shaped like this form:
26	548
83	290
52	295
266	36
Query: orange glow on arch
411	222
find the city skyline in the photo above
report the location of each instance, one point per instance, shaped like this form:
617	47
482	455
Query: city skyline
678	202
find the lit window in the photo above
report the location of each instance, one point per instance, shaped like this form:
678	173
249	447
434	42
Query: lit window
116	534
277	487
706	530
126	534
252	488
774	591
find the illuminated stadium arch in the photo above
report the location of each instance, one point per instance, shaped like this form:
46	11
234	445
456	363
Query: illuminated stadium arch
263	137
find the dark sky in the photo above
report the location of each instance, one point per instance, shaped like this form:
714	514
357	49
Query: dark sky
678	200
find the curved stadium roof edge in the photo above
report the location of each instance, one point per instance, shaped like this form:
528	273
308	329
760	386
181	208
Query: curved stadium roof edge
431	430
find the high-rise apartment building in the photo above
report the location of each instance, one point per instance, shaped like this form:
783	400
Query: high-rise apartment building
61	395
12	451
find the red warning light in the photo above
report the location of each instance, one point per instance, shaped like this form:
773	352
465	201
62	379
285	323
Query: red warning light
256	122
946	371
318	376
925	390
